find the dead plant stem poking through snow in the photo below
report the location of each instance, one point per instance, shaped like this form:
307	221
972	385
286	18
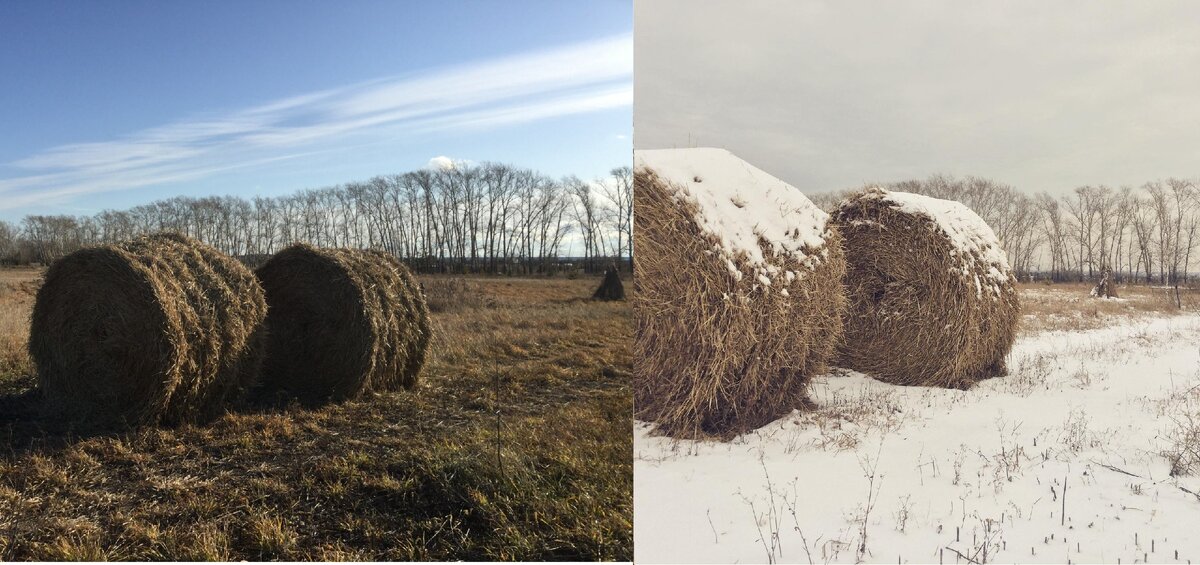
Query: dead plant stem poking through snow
738	294
932	298
342	322
161	329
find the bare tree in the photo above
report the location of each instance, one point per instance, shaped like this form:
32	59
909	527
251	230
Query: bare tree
618	189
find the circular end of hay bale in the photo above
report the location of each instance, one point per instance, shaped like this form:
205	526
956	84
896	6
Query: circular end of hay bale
107	349
341	322
162	329
925	309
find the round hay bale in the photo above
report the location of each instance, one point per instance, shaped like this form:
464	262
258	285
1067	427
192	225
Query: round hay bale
738	293
342	322
932	299
162	329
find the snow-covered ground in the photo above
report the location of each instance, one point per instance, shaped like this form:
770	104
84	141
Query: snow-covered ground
1068	458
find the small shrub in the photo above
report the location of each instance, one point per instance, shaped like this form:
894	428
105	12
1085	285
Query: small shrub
1076	434
1183	448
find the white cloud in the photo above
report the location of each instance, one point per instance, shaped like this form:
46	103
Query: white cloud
584	77
441	163
146	176
583	102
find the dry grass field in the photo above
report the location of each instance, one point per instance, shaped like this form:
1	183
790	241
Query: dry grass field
1068	306
17	287
514	445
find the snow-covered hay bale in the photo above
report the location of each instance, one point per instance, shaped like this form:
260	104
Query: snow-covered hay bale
738	297
932	298
342	322
162	329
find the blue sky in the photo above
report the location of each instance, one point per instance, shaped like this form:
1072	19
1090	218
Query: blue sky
111	104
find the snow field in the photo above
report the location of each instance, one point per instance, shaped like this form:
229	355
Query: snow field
1068	458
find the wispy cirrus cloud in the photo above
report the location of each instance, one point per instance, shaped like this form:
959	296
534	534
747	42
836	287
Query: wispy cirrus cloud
579	78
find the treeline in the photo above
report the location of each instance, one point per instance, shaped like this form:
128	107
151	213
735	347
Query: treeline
1148	233
491	217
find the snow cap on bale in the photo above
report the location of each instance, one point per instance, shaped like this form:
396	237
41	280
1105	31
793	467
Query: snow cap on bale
754	218
933	300
342	322
162	329
738	294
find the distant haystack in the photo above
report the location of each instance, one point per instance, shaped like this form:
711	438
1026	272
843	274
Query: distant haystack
932	298
1106	288
163	329
739	292
342	322
610	288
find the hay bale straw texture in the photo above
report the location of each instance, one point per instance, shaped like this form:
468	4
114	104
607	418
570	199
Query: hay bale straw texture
932	298
162	329
737	294
342	322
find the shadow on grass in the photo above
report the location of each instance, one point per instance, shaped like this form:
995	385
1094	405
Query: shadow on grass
27	425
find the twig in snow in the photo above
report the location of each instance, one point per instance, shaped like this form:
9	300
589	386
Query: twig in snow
1136	476
960	554
1119	470
869	469
1064	502
716	538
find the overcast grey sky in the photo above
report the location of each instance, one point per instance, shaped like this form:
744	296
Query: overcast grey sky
828	95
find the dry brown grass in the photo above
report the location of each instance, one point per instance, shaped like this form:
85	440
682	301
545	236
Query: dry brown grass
17	289
444	293
1068	306
412	475
719	354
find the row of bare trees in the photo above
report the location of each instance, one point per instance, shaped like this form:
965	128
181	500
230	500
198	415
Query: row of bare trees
1148	233
489	217
503	219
